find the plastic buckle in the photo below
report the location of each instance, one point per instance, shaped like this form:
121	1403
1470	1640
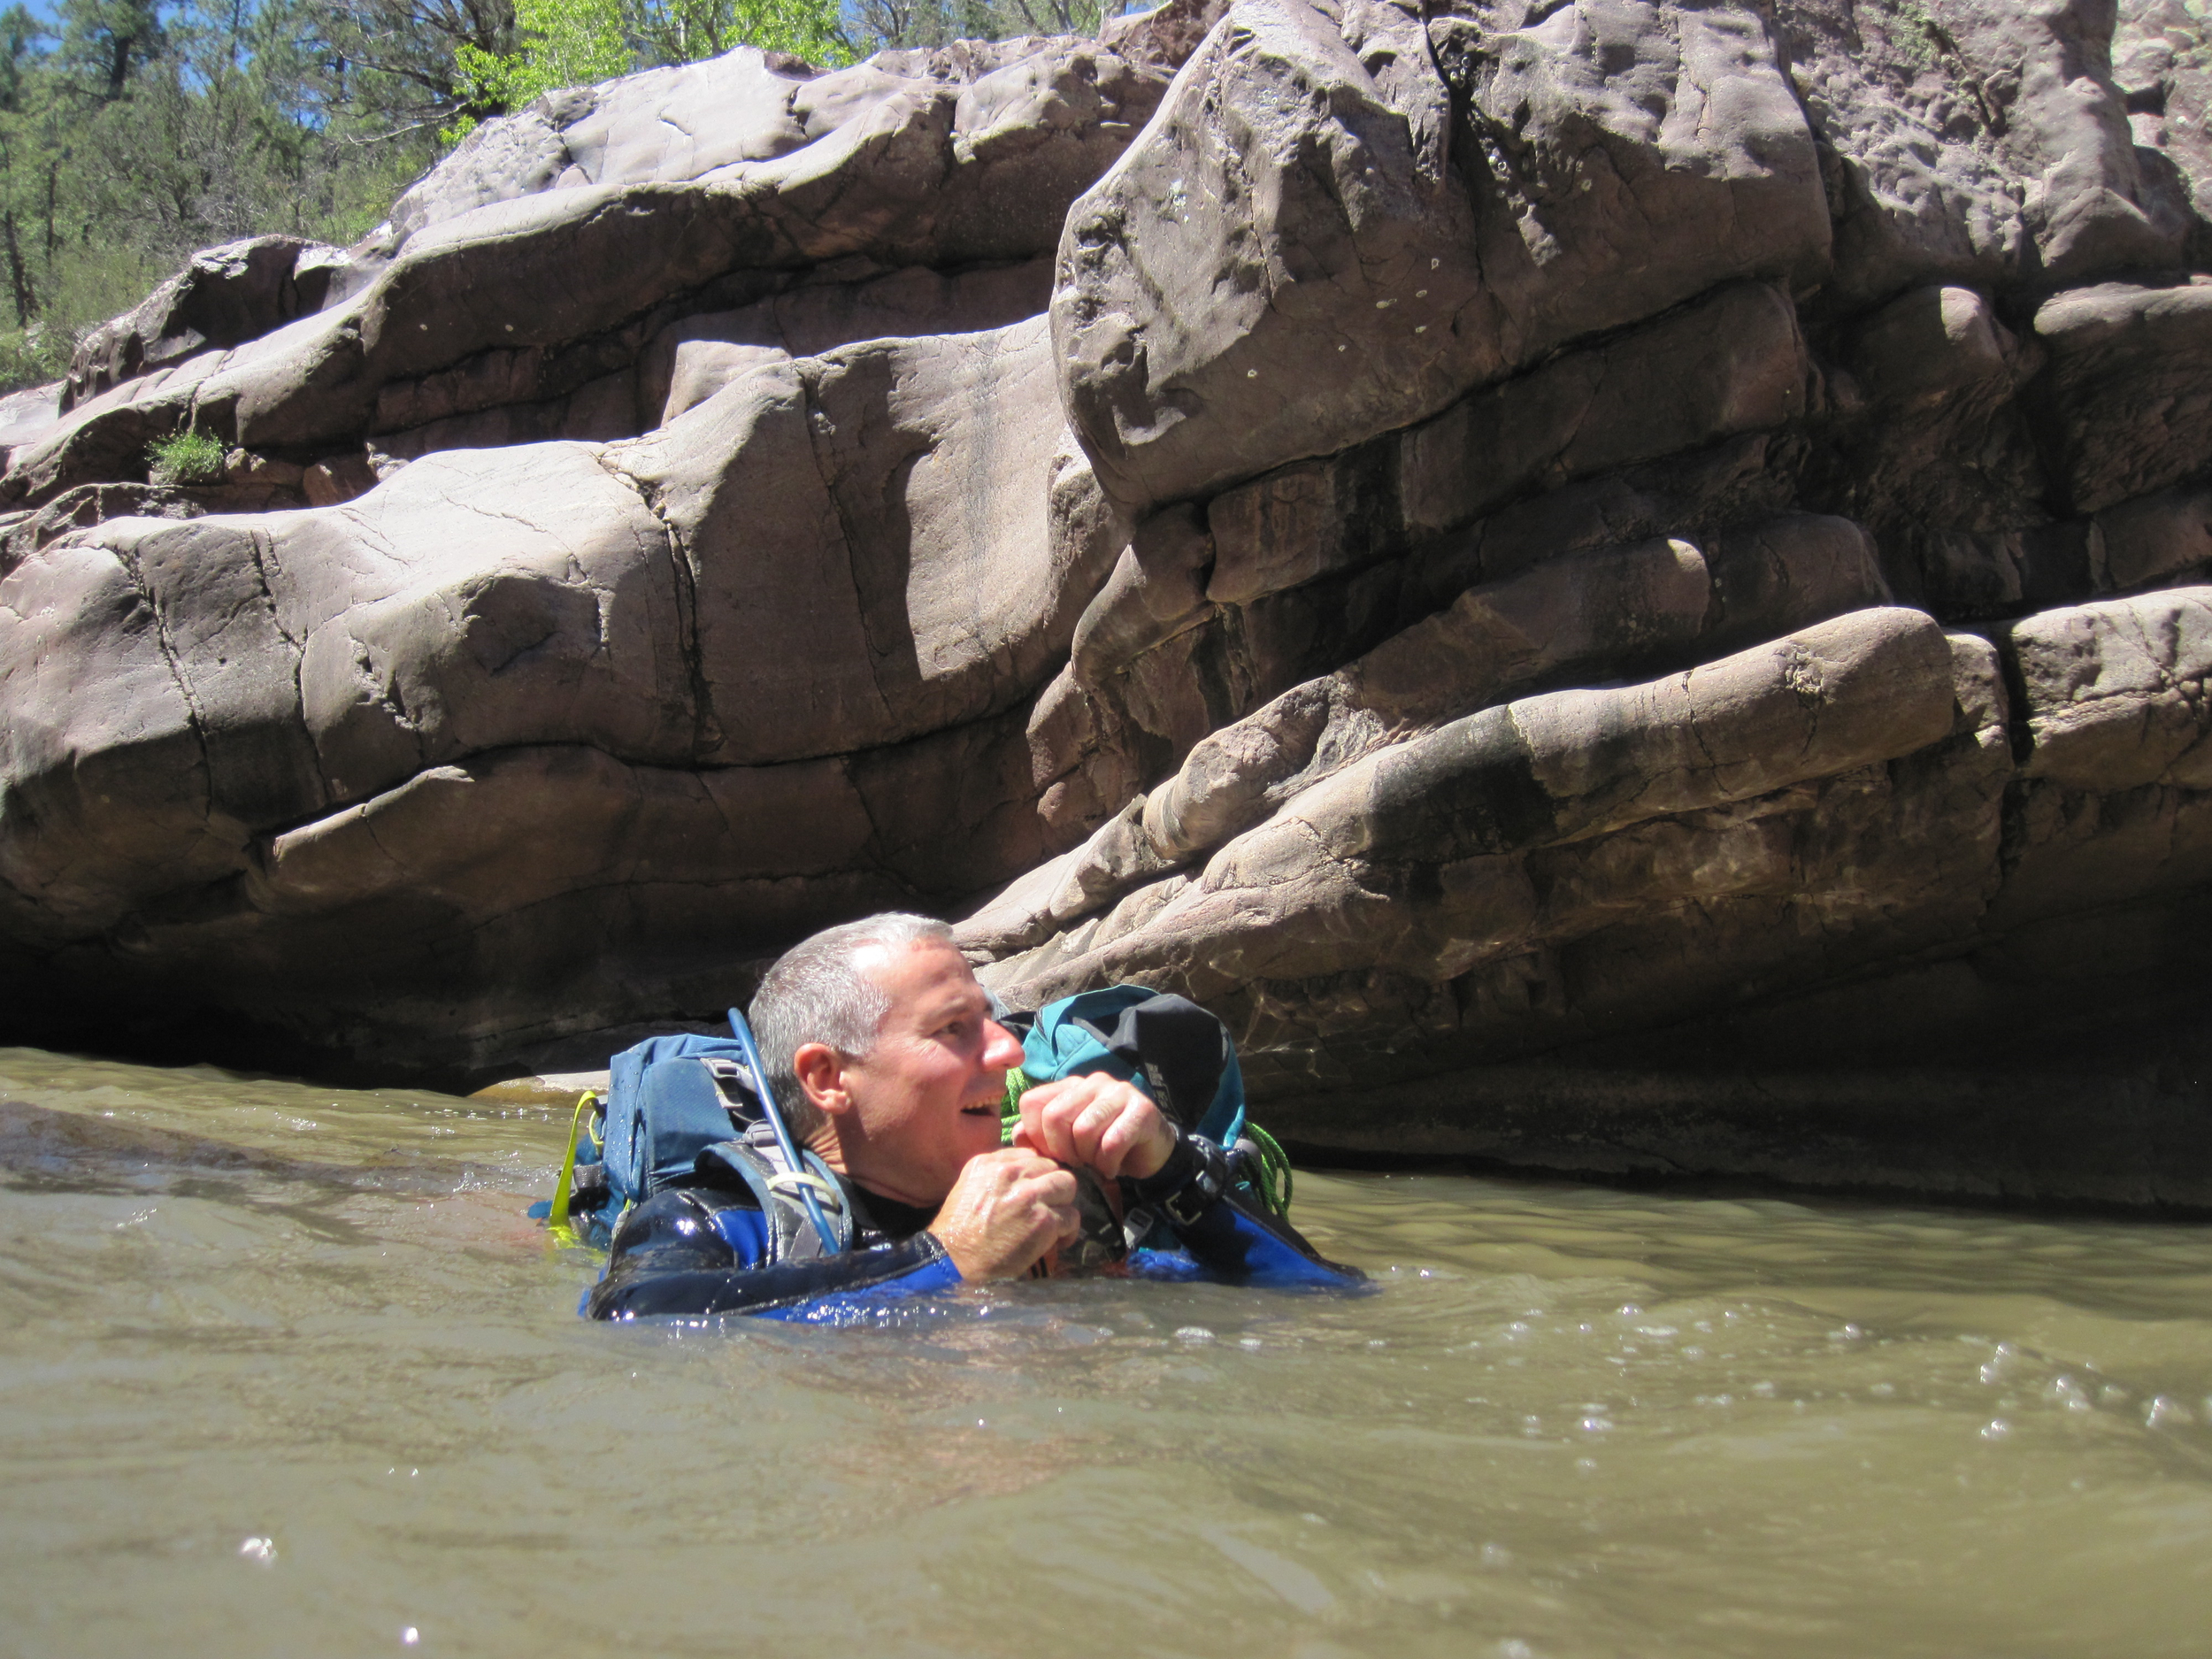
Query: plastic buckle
1195	1197
1134	1224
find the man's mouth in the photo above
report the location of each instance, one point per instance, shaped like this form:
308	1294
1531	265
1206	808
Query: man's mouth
985	1108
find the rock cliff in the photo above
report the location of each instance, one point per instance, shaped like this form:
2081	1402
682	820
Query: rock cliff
1622	585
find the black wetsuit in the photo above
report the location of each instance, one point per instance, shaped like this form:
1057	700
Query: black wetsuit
707	1249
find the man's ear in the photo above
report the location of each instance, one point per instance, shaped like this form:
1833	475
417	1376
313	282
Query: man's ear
820	1070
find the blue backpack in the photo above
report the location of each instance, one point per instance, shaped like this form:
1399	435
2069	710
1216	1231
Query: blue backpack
672	1103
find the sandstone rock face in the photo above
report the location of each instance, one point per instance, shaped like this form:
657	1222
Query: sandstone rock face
1619	585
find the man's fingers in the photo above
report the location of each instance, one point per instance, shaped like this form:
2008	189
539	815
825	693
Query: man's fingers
1113	1146
1042	1126
1098	1120
1056	1188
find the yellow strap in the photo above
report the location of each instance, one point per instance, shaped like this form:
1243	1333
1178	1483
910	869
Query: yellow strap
556	1218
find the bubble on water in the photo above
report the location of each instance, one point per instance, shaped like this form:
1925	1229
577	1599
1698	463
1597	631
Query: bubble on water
1515	1650
2163	1411
1249	1342
1764	1390
1496	1554
2110	1395
1996	1429
1377	1342
1192	1333
1596	1425
410	1636
262	1551
1882	1390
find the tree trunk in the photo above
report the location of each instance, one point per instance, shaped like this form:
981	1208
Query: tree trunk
53	185
25	301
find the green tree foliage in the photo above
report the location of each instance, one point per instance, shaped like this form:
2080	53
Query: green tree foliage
686	31
134	132
558	43
574	42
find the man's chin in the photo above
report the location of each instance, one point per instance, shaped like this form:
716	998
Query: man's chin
984	1131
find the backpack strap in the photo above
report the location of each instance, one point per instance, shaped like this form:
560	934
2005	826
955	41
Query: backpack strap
791	1232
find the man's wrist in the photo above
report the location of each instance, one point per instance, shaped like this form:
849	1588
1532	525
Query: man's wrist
1157	1151
1184	1188
945	1250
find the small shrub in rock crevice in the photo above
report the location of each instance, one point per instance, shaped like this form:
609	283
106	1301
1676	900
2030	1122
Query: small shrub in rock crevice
185	457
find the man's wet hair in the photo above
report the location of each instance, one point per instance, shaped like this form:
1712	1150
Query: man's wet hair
816	993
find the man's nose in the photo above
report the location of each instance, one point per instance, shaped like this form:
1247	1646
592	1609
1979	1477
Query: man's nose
1002	1049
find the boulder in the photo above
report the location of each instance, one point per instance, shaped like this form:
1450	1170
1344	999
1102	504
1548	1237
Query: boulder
910	160
224	297
1641	604
1339	197
1981	143
2163	73
1411	858
2124	399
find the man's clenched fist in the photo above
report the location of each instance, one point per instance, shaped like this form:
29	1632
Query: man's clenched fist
1005	1211
1111	1126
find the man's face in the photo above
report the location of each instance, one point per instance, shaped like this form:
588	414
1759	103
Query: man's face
926	1098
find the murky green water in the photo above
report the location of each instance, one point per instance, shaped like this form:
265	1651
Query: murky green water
282	1371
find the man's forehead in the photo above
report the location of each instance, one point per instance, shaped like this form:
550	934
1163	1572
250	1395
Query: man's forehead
926	971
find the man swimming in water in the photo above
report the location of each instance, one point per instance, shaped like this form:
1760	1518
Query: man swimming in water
882	1050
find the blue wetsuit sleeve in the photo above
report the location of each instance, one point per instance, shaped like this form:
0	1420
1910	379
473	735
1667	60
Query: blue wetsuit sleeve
1228	1237
682	1252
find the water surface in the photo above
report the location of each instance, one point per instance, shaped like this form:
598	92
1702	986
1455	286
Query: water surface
284	1371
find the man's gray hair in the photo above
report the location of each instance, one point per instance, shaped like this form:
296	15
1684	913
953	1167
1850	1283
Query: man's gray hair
817	993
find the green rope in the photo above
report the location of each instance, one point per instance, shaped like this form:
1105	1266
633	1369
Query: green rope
1009	1112
1273	1171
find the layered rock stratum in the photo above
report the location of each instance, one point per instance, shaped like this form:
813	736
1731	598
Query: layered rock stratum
1622	585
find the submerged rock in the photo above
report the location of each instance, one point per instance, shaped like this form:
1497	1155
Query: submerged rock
1561	568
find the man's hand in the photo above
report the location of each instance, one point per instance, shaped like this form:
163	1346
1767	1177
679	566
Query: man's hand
1111	1126
1005	1211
